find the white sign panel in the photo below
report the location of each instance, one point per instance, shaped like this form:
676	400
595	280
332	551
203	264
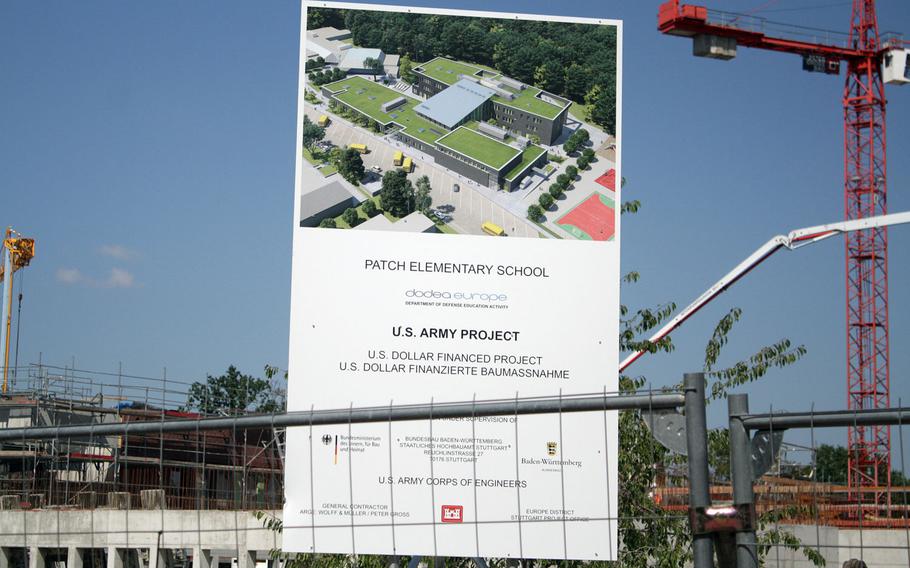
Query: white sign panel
456	238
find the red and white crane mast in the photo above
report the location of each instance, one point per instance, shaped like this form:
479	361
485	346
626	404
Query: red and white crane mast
871	62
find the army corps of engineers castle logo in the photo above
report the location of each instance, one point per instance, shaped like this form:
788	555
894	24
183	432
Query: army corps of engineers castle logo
452	514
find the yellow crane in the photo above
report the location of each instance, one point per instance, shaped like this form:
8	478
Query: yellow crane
17	252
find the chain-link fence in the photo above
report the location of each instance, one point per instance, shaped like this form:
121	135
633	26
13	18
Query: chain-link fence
144	484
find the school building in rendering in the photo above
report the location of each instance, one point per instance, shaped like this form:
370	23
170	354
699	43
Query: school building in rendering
517	107
453	125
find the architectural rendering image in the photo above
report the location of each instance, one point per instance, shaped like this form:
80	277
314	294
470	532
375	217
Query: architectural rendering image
517	138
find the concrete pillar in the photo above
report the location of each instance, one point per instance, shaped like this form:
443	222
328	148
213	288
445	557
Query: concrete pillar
201	558
73	557
5	557
36	557
116	557
157	557
246	559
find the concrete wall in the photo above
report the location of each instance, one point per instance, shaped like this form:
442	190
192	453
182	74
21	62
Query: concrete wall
825	537
880	548
207	534
102	528
229	534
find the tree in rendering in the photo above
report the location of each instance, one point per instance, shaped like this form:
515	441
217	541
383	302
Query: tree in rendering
312	133
571	172
328	224
535	213
406	70
603	112
369	208
549	76
423	200
351	217
576	82
397	194
350	165
545	200
374	66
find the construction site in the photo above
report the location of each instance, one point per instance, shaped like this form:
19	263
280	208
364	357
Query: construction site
211	470
167	482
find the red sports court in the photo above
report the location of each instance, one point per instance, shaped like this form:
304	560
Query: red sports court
608	180
594	219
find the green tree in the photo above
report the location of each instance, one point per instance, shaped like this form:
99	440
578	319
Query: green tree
583	162
563	180
328	223
831	464
397	193
571	171
351	217
556	190
588	153
570	146
312	133
322	17
603	112
582	134
423	199
535	213
233	393
545	200
576	82
374	66
593	95
406	70
549	76
650	535
369	208
350	165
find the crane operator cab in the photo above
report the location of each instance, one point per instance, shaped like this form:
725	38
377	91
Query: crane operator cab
896	66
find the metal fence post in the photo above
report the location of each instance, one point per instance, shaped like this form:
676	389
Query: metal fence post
741	470
697	444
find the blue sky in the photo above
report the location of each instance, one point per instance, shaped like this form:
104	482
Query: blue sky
148	147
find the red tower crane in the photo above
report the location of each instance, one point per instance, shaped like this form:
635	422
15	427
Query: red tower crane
872	60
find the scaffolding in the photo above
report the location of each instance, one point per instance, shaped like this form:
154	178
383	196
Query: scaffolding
225	469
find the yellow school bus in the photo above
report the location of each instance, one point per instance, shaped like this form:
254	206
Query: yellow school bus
362	148
407	165
492	229
399	156
323	121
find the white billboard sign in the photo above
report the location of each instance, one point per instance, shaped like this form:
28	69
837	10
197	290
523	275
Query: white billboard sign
456	238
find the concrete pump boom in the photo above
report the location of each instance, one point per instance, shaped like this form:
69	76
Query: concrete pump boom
792	241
